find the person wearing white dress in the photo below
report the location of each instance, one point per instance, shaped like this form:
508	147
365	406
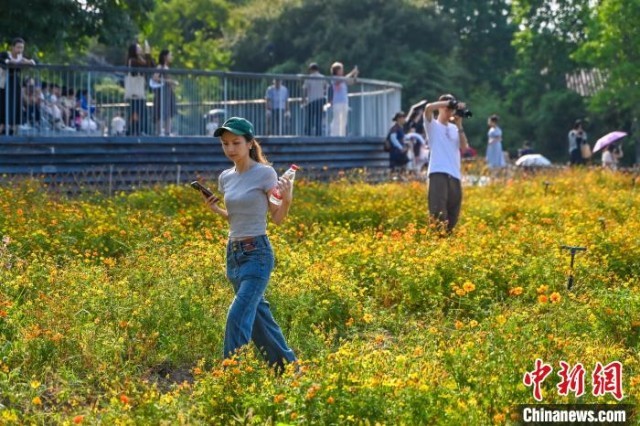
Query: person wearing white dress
495	158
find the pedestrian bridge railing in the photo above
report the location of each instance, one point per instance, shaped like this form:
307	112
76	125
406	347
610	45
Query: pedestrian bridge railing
65	101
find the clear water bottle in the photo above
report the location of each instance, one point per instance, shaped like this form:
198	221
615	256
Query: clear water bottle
276	197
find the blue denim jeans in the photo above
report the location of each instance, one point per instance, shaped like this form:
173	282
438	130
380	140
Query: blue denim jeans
249	265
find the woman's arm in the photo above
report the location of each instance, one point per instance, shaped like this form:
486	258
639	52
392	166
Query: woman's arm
279	213
212	202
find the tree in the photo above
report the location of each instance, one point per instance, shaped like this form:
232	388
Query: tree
549	32
61	29
195	31
613	46
485	32
387	39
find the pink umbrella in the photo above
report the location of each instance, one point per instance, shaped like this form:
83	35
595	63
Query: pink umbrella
607	140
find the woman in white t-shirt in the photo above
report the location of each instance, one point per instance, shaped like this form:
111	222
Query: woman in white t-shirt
250	260
610	157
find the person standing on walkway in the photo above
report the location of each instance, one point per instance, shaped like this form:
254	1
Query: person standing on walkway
313	90
446	138
250	260
11	86
138	58
277	108
339	98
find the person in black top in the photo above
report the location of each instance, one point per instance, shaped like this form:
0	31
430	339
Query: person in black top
398	149
11	86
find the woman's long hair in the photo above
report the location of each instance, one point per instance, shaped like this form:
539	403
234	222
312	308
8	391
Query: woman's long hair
132	53
162	59
255	152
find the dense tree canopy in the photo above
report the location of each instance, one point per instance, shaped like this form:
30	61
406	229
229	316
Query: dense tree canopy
58	29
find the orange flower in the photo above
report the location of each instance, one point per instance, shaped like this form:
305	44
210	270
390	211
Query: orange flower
124	399
78	419
543	298
278	398
516	291
460	292
555	297
3	314
330	400
36	401
459	325
229	362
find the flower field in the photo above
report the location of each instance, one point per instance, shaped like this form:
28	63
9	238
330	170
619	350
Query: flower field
112	310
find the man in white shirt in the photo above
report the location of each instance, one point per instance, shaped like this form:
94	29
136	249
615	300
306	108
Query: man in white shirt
446	138
277	103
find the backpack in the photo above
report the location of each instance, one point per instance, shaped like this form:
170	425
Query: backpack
387	143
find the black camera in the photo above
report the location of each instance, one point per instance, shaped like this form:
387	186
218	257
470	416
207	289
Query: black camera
460	112
464	113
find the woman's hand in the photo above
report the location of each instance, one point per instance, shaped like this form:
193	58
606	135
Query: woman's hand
212	203
279	213
285	186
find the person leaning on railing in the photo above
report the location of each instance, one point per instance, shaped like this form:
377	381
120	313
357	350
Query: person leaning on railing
164	98
11	86
138	58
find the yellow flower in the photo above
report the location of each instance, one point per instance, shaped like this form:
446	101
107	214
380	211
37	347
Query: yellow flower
542	289
499	418
555	297
468	286
543	298
460	292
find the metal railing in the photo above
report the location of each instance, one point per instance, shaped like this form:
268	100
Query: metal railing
52	100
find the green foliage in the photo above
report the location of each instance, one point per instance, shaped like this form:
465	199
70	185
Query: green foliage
548	33
613	46
194	31
409	44
61	29
485	31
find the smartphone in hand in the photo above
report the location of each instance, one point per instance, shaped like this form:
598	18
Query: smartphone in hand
206	191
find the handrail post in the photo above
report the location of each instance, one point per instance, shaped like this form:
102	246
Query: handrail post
362	109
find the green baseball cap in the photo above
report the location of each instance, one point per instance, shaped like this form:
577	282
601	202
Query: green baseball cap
236	125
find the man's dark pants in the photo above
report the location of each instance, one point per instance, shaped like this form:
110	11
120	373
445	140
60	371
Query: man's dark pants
445	199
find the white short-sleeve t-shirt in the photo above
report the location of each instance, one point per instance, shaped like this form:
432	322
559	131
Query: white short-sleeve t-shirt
444	142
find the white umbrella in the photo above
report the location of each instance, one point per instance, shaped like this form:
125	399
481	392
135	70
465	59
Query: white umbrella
533	160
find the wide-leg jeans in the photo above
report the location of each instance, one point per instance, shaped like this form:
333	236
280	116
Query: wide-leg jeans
249	266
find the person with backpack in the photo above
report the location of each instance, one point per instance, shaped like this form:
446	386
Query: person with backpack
398	150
